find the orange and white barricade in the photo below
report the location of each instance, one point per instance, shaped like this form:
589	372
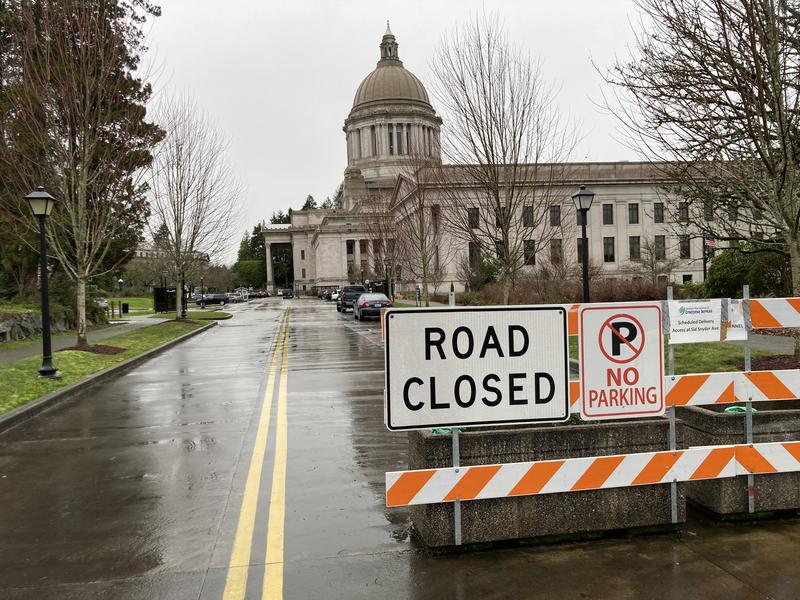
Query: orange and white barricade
430	486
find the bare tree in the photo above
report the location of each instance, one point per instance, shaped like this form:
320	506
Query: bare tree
422	247
505	133
74	120
654	262
194	192
712	89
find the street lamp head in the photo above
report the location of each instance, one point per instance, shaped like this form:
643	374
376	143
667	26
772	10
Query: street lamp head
583	198
41	202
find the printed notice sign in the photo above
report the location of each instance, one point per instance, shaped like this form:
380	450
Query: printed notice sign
735	326
695	321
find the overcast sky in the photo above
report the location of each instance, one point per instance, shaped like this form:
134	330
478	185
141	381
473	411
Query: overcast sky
278	77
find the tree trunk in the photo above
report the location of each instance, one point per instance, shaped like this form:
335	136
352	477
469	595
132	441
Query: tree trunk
178	299
794	261
506	290
80	310
425	294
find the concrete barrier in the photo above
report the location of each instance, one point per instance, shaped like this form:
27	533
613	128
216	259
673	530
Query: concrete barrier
728	498
560	516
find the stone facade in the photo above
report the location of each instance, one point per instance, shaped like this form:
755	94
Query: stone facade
392	126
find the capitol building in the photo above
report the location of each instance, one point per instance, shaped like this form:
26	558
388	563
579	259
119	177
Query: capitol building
391	126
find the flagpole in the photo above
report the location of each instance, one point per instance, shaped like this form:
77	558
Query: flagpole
705	259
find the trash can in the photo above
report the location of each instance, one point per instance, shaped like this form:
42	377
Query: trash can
124	308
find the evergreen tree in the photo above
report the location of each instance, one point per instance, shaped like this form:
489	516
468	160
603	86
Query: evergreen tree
310	203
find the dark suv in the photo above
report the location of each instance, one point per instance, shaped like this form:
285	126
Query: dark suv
348	295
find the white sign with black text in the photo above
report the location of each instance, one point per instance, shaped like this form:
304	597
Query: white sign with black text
621	352
453	367
695	321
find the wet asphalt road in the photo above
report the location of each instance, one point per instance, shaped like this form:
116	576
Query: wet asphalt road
140	489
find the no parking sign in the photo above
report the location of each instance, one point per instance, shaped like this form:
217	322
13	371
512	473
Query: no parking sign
621	361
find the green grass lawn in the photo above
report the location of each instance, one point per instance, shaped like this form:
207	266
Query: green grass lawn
6	306
37	340
202	315
134	303
711	357
20	382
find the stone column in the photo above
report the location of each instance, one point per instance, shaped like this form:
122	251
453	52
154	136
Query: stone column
357	259
270	286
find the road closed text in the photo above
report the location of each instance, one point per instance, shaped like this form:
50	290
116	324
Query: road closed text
475	366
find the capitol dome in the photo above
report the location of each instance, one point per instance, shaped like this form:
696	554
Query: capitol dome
390	81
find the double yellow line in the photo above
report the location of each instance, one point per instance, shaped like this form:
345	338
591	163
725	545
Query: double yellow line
236	583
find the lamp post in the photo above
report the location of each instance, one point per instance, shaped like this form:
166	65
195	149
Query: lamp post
202	295
119	283
42	204
386	269
583	202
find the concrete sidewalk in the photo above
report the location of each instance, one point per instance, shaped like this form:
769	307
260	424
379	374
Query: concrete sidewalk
94	336
777	344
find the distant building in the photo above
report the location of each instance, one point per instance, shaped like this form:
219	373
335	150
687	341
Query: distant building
391	114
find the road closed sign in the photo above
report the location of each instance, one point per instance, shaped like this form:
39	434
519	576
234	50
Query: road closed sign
621	355
476	366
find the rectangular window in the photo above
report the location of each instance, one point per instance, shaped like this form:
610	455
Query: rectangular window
474	254
303	273
708	211
556	254
634	247
530	252
687	279
473	218
498	247
362	247
683	212
633	213
527	216
608	214
351	246
435	218
733	212
658	212
555	215
757	215
399	139
580	248
686	249
373	141
408	139
302	254
608	249
391	139
660	249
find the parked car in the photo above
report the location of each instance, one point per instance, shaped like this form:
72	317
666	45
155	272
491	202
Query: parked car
102	303
334	295
214	299
348	295
286	293
234	298
280	292
370	305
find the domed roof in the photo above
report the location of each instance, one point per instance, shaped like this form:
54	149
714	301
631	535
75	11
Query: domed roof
390	80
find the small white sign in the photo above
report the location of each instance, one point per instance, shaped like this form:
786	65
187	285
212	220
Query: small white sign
621	361
453	367
695	321
736	331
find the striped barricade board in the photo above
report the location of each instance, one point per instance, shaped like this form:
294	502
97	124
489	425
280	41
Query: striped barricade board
431	486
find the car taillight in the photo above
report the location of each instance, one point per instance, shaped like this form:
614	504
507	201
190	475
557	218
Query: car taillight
390	304
364	304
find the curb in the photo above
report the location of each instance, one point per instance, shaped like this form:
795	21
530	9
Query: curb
32	409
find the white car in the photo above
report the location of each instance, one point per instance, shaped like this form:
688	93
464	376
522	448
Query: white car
335	295
280	292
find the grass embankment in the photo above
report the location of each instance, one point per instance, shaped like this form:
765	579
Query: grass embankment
710	357
135	303
6	306
20	383
198	315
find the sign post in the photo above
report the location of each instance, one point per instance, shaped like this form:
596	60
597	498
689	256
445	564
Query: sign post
621	361
458	367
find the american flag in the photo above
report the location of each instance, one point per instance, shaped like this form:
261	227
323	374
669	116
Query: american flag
712	243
